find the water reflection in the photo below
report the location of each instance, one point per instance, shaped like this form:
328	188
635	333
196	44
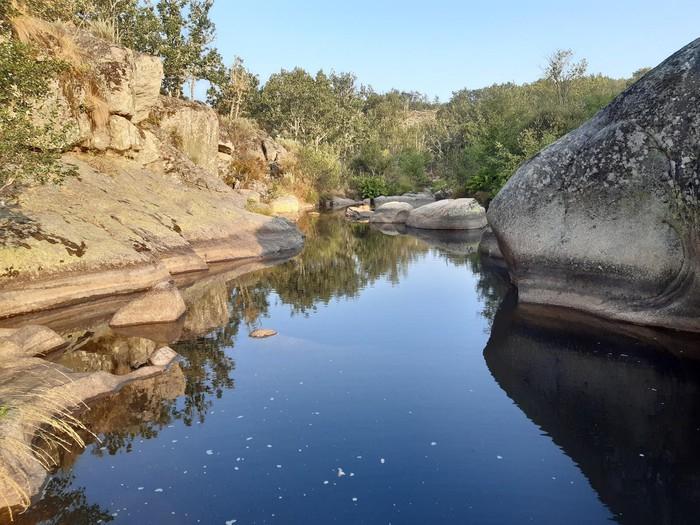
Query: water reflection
627	412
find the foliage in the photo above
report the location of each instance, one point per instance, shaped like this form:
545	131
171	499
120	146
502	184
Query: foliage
319	168
487	133
233	91
324	109
370	186
30	148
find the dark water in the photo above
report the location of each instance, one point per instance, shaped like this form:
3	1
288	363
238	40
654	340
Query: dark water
404	387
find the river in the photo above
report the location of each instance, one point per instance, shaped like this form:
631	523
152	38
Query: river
404	386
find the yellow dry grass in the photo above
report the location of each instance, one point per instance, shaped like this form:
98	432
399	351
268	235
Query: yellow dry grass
35	403
52	37
55	39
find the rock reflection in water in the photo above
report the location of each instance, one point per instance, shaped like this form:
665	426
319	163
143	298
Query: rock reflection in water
628	413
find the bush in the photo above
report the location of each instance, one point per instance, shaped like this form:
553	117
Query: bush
370	186
28	150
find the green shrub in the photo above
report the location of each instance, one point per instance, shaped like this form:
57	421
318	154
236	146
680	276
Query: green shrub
370	186
29	150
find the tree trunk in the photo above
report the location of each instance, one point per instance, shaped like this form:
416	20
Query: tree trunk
192	84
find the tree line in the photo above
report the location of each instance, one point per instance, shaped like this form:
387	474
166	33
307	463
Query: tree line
347	136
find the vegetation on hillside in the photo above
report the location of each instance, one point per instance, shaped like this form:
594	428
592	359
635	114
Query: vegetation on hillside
347	136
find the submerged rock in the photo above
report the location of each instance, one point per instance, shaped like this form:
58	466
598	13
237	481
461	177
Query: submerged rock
448	214
392	213
163	304
607	219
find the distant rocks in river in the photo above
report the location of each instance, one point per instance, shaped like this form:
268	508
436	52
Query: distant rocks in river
339	203
448	214
392	213
607	219
414	199
358	213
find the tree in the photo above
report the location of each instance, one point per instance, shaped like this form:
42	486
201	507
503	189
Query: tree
30	148
173	48
233	90
203	61
563	72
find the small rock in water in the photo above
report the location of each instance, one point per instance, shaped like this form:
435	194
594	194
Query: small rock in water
261	333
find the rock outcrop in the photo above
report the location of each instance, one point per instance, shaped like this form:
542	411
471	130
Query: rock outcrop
391	213
448	214
146	204
414	199
192	127
607	219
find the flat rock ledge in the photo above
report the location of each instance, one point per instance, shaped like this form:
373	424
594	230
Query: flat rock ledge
163	304
448	214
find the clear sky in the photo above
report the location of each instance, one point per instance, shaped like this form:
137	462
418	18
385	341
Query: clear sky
440	46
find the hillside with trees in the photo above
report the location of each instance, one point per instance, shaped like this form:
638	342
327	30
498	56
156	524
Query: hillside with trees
347	138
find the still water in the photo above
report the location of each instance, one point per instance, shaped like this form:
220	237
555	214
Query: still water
404	387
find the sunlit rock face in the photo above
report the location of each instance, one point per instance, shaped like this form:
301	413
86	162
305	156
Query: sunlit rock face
607	219
624	410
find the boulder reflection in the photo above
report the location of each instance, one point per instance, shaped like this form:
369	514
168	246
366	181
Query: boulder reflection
627	412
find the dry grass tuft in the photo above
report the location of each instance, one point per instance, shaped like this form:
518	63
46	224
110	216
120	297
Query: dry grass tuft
104	29
79	81
52	37
35	403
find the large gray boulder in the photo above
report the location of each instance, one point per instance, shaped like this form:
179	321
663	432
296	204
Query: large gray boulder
391	213
414	199
606	219
448	214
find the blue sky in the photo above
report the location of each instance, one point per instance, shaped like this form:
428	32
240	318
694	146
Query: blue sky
440	46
